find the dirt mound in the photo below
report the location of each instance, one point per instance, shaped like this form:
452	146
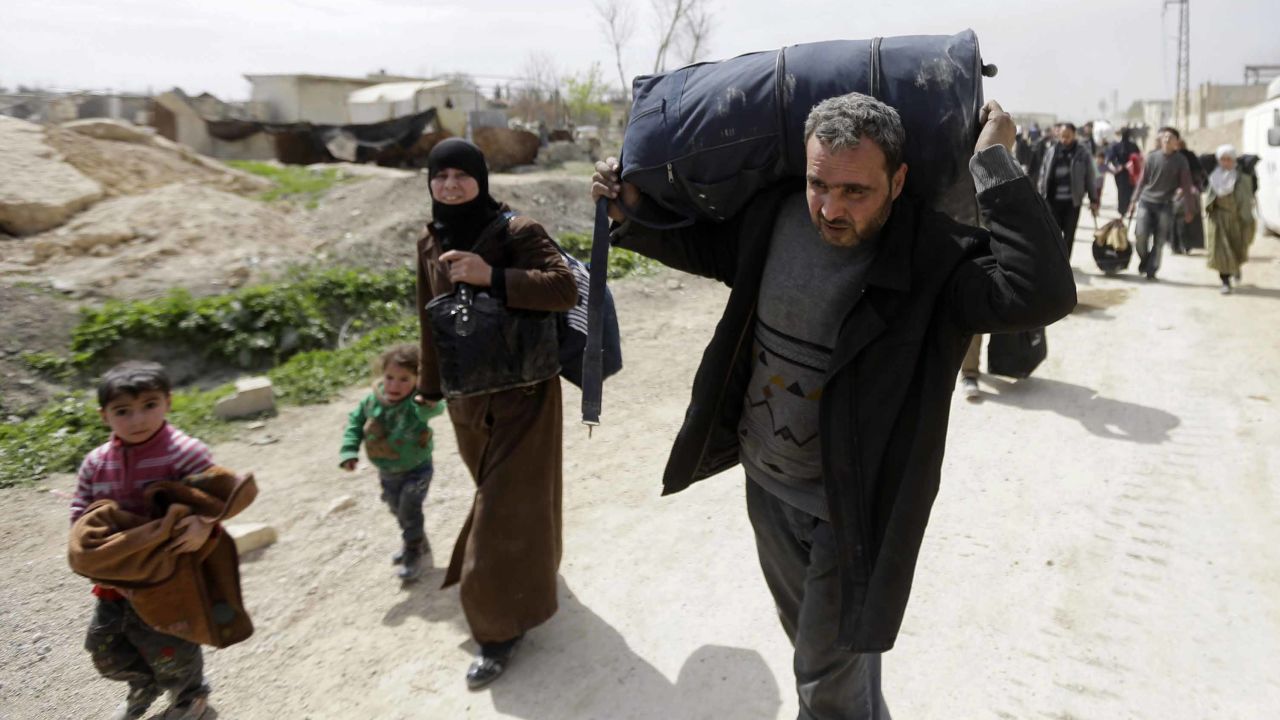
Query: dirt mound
376	222
128	168
179	235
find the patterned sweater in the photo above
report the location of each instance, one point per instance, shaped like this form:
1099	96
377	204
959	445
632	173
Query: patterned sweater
120	472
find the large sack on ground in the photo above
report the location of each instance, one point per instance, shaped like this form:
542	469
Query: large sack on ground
38	190
705	138
505	148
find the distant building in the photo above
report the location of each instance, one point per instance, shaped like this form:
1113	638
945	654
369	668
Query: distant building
1215	105
211	127
59	107
320	99
1149	113
452	100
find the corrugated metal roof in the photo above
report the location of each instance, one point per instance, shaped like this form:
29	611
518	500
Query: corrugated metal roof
393	91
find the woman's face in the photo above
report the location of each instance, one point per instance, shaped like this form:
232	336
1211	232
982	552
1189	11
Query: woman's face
452	186
1227	163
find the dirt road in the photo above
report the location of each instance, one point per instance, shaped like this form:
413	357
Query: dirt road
1104	545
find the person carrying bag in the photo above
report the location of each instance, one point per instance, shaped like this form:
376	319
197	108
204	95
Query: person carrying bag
489	286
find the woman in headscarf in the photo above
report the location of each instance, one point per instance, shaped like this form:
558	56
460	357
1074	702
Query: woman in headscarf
1229	207
508	554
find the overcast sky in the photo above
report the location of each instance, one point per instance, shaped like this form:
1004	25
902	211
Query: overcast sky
1053	56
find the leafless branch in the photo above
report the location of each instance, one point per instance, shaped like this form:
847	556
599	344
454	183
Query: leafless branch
618	22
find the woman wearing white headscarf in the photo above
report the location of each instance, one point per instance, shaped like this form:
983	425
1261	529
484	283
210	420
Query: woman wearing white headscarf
1229	207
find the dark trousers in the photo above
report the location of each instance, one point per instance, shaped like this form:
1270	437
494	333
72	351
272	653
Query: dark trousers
1124	192
125	648
404	493
798	556
1067	215
1154	229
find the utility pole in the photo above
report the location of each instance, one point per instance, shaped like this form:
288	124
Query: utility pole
1182	97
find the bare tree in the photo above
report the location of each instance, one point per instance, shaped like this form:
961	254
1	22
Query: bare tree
695	32
618	22
667	16
538	96
684	26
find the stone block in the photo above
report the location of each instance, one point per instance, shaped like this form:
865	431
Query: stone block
253	396
339	504
251	536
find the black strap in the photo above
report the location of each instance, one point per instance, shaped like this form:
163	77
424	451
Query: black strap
875	68
593	355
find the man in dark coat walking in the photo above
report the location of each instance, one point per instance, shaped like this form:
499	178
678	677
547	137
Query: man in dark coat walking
829	377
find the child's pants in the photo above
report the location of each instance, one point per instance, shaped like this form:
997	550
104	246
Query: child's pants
127	649
404	494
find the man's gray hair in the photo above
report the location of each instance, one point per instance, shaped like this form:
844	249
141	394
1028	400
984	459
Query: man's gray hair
842	122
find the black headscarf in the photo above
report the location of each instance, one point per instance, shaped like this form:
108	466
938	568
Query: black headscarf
458	226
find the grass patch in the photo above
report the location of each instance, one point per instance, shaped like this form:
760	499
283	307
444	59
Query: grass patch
622	262
294	183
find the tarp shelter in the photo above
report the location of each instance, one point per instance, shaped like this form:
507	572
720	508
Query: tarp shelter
392	100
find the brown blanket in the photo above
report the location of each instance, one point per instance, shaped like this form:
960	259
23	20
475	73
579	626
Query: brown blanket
194	596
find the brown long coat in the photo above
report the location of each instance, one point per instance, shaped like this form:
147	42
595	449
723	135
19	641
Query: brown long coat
508	552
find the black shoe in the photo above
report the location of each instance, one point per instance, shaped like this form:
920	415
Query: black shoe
491	662
1151	275
137	703
410	560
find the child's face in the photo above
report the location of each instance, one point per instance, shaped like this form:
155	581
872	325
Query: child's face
135	418
398	382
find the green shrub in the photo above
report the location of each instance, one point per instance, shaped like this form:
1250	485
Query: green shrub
50	365
293	182
247	327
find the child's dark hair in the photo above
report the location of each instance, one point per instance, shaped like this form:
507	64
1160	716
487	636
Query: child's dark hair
406	356
132	377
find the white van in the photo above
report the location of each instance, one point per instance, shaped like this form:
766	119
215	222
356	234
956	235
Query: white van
1262	138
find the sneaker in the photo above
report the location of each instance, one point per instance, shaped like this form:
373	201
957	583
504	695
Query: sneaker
136	704
970	389
1151	276
411	559
193	709
397	558
491	662
1225	289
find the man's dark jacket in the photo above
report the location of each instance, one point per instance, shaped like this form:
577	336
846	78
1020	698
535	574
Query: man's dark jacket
887	395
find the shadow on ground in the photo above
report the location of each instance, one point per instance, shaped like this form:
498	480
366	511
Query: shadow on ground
1104	417
578	666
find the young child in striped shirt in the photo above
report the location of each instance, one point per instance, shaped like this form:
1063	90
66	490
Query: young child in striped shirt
133	399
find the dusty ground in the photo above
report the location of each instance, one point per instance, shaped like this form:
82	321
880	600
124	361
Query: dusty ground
1104	545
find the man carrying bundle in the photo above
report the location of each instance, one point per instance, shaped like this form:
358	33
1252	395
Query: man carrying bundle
829	376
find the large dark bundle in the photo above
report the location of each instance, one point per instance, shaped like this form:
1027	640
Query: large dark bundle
705	138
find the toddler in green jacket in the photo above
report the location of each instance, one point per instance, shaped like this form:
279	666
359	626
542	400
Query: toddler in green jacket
398	441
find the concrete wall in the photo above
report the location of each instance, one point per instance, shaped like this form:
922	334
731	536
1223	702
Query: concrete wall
324	101
1212	105
279	94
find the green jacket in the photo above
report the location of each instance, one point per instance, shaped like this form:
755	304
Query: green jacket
396	437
